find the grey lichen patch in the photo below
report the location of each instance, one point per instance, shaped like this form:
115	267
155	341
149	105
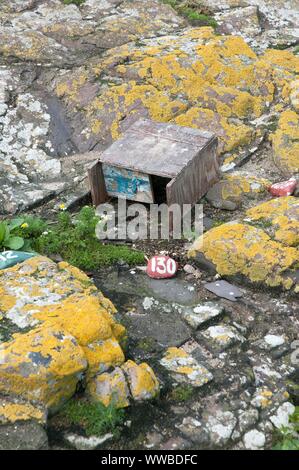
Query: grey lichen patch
254	440
221	426
202	313
27	157
270	342
221	337
184	368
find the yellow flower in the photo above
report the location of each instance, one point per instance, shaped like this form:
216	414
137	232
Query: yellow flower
62	207
24	225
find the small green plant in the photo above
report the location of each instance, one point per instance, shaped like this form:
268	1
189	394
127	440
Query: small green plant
18	234
94	418
31	228
280	47
74	239
75	2
203	20
288	437
172	3
192	11
181	393
147	345
217	223
9	238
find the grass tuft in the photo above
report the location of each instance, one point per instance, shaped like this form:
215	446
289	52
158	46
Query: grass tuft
75	241
75	2
94	418
193	11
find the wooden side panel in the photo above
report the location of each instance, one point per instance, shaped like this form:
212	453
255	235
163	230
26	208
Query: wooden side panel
97	184
195	179
128	184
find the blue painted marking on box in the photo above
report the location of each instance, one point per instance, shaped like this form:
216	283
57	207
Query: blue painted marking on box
121	182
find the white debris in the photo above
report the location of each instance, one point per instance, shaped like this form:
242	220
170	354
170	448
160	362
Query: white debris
148	302
273	340
221	426
254	440
283	413
86	443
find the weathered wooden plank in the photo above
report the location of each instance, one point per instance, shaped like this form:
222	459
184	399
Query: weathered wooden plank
195	178
97	184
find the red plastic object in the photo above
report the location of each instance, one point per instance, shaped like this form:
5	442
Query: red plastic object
285	188
162	267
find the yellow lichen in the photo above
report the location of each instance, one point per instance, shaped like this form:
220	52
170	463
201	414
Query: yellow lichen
284	69
109	388
294	94
172	353
142	380
42	365
236	184
184	370
76	333
283	215
285	142
219	79
120	101
83	317
11	412
75	272
103	355
70	88
236	248
231	135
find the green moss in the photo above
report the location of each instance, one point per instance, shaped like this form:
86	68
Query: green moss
193	11
75	2
147	344
293	386
272	126
172	3
94	418
217	223
74	239
181	393
199	18
263	223
280	47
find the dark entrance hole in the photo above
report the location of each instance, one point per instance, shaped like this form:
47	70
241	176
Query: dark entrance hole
159	184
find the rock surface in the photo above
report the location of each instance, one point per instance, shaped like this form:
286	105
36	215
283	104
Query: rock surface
58	329
184	368
227	376
72	89
44	365
23	436
266	253
72	79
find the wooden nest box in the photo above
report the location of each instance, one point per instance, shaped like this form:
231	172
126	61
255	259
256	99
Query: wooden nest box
156	162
